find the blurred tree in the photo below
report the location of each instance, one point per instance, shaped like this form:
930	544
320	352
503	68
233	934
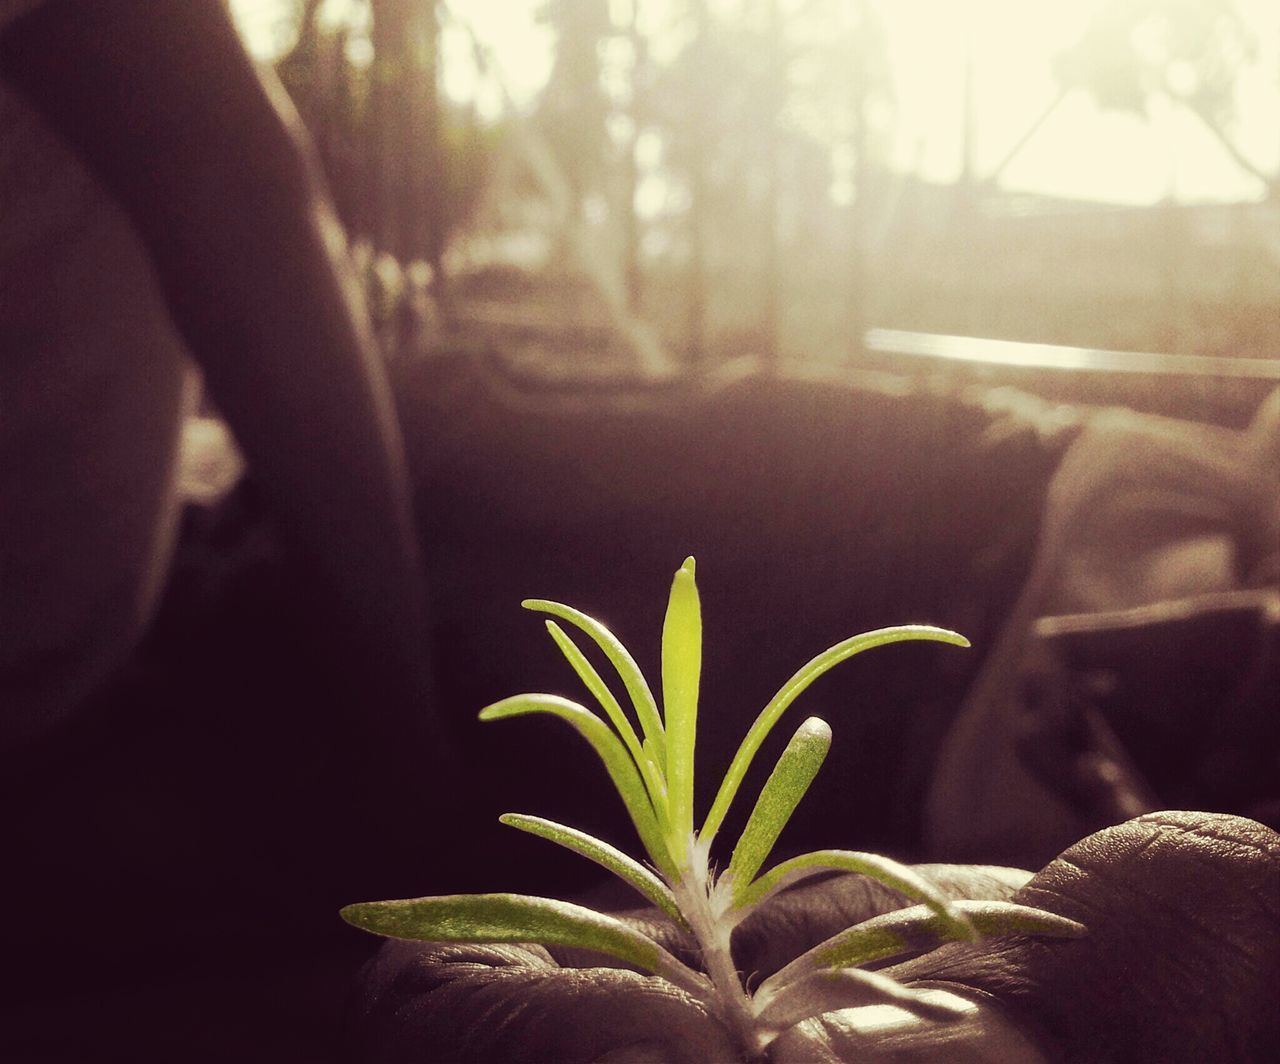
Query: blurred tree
869	78
635	119
700	55
330	94
775	91
748	109
406	128
1191	51
573	108
407	167
706	106
837	130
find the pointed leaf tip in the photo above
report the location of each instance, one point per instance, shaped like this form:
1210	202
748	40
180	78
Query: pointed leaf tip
519	918
641	697
681	675
611	751
891	873
689	566
919	928
596	685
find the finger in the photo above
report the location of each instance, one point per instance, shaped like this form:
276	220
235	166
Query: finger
473	1004
1182	956
892	1035
798	919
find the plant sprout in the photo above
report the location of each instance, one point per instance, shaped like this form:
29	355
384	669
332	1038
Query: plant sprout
652	770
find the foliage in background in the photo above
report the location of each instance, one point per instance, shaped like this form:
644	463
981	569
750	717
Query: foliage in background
737	169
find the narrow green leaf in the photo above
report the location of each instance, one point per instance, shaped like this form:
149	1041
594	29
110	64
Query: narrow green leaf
519	918
842	988
918	928
632	678
788	694
617	762
598	688
681	672
620	864
779	796
891	873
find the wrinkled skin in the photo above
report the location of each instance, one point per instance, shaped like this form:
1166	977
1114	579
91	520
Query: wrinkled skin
1181	962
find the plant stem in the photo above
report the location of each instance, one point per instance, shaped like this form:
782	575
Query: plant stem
712	936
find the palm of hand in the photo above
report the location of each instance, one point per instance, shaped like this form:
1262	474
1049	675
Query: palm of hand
1181	963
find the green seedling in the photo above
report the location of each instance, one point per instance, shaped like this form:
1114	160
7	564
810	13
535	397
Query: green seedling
652	769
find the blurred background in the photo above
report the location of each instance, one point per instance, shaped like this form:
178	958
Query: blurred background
646	188
960	312
954	312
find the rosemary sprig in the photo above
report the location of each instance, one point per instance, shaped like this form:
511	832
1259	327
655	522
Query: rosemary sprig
653	773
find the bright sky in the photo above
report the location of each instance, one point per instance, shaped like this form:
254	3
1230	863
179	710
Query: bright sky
1081	152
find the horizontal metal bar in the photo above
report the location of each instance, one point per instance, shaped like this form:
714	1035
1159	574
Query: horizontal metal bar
1056	356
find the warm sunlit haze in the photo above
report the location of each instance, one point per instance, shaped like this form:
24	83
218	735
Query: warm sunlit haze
1004	49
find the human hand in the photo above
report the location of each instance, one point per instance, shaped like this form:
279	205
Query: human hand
1180	963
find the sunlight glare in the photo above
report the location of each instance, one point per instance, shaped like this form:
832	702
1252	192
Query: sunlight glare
1081	151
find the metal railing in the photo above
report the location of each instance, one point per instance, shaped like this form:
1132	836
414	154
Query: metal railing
1023	355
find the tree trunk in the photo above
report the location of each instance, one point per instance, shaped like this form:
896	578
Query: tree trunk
697	319
409	217
857	297
771	326
632	273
